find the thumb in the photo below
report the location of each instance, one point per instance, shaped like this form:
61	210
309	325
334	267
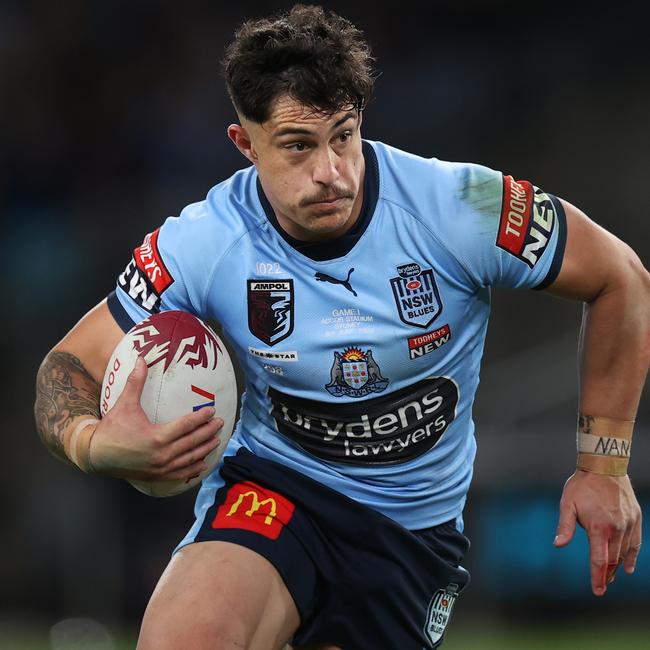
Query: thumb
566	527
135	383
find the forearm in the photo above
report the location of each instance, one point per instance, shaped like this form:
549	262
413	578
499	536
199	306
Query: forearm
65	393
615	347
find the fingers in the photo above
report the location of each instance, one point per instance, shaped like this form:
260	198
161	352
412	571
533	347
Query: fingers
135	383
194	455
192	448
181	426
566	526
598	558
632	553
614	557
186	450
186	473
190	441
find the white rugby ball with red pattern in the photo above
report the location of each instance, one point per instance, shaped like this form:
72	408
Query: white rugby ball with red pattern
188	368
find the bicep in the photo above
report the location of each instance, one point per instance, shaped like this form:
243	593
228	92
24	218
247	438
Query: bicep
594	260
93	339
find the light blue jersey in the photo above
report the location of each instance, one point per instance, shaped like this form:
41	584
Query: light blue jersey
361	355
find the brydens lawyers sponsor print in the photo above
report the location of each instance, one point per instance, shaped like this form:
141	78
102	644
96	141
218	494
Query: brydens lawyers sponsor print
527	220
391	428
146	277
270	310
416	295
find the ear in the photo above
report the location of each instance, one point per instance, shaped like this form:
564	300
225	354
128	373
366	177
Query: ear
242	141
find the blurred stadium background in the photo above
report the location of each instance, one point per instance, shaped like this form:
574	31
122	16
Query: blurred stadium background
113	116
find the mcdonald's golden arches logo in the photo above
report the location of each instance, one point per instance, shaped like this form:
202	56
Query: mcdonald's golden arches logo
249	506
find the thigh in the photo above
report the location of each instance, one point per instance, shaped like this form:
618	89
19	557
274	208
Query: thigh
217	594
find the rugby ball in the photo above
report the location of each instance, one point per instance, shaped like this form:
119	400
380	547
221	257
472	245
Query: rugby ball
188	368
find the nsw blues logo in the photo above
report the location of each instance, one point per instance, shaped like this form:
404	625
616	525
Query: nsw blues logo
439	612
416	295
270	309
355	374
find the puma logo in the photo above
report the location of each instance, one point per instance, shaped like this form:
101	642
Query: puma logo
323	277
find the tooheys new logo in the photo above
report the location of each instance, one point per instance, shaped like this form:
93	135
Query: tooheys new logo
392	428
527	220
146	276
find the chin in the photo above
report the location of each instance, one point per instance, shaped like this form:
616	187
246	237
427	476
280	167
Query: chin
327	223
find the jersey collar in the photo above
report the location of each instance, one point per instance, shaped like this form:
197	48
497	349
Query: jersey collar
333	248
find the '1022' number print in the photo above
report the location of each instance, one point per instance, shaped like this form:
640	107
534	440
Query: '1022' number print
268	268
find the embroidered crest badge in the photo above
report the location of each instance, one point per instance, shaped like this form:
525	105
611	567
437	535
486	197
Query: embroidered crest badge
355	374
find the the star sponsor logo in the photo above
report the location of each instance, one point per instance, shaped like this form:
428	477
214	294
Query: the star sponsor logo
274	355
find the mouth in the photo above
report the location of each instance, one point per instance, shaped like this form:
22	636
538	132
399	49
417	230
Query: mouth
336	200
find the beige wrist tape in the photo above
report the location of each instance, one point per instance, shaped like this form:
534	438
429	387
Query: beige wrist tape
604	445
77	445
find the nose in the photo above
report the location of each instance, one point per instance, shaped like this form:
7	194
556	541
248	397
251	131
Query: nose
325	167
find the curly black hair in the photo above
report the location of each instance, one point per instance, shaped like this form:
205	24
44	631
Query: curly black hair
320	59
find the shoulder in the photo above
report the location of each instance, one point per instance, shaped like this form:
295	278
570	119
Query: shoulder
229	211
431	185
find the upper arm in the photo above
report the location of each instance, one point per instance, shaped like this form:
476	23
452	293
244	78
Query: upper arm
594	260
92	340
504	232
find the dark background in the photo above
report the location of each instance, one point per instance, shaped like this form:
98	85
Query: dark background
113	116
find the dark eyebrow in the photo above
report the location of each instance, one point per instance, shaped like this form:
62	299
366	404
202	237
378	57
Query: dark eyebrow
294	130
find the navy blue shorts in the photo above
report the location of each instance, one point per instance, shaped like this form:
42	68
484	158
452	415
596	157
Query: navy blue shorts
359	580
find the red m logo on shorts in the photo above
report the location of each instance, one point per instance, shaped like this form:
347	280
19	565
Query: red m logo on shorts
249	506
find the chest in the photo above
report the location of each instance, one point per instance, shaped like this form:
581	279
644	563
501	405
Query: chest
388	314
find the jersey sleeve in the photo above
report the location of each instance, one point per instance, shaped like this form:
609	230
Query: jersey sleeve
166	272
504	232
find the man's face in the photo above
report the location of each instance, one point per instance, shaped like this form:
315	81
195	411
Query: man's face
310	165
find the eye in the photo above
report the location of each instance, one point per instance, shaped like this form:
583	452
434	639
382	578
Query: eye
345	136
297	146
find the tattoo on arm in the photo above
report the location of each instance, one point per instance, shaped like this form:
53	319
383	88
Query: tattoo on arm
64	390
585	422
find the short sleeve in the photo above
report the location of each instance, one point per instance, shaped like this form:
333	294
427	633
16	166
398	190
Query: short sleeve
166	272
504	232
